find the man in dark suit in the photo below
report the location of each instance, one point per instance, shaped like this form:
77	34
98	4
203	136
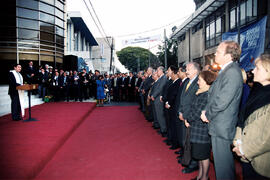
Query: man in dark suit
138	82
145	89
170	106
131	87
187	96
42	83
222	108
180	124
15	79
30	73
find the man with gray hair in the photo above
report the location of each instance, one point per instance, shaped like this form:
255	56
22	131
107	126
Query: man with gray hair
159	105
145	89
187	96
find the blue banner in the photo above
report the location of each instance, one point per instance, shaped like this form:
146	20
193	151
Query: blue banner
252	40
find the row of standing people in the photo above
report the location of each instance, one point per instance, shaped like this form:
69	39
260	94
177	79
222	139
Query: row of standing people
206	104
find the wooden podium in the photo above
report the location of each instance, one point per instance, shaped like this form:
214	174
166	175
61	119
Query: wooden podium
28	88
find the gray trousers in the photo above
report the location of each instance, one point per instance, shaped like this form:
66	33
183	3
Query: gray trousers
223	158
159	108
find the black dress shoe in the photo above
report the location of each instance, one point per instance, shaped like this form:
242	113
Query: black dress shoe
177	152
173	147
164	134
189	170
179	157
166	140
194	178
17	119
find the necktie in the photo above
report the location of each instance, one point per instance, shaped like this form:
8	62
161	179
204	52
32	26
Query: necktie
188	85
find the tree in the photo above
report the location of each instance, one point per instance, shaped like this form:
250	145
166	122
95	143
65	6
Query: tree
171	53
136	58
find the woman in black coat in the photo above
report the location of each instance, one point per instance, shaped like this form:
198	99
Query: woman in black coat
199	137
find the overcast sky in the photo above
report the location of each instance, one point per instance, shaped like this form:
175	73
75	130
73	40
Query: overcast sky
123	17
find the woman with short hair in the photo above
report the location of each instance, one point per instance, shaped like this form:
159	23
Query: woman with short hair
199	137
252	139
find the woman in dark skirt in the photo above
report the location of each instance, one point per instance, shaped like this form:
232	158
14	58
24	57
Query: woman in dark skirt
199	138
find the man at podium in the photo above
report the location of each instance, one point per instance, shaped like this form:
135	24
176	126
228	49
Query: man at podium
16	79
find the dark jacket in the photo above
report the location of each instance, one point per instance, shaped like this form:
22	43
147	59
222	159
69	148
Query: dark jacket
12	91
199	129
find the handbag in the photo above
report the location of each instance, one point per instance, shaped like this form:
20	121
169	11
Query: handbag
187	149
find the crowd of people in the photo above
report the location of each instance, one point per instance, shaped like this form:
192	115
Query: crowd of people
223	112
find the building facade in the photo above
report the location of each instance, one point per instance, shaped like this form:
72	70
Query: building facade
80	40
31	30
102	54
200	34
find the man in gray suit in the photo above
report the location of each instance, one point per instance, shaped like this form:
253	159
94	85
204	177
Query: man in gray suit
222	108
159	105
187	96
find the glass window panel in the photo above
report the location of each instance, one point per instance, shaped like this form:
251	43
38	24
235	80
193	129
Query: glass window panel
60	40
59	22
59	59
46	52
26	23
59	13
46	36
27	34
46	27
218	39
46	8
23	56
212	42
49	2
27	13
46	17
249	9
255	7
28	4
59	31
42	47
212	29
27	50
51	44
28	45
232	19
218	26
59	5
46	58
207	32
242	13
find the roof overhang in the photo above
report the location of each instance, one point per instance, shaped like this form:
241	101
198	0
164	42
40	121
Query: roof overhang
206	9
79	25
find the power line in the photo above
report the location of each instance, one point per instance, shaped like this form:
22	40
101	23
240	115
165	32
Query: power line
99	21
95	21
154	29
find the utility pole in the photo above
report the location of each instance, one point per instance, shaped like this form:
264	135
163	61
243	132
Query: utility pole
111	56
165	48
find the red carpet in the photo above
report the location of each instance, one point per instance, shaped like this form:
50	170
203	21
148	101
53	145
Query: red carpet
26	147
115	143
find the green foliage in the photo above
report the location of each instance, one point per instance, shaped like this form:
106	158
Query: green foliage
171	53
130	56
